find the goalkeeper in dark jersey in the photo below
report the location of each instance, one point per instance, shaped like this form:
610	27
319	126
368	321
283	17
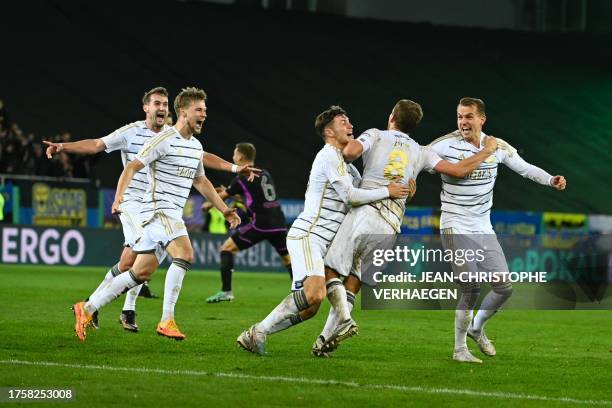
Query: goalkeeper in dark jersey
267	220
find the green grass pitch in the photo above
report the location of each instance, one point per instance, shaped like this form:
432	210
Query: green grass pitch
545	358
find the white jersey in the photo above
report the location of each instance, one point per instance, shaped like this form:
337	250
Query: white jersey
329	193
173	164
466	203
390	155
130	139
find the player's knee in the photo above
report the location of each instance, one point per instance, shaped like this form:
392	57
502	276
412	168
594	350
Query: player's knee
352	284
124	266
186	256
127	260
142	274
330	273
504	290
469	297
228	246
316	295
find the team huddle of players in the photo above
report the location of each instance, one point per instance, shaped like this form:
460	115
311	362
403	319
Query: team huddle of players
345	213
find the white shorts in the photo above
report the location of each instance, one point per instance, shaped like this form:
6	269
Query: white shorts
306	255
362	231
130	222
494	258
157	233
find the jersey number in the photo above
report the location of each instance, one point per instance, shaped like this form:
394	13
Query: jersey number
396	164
268	189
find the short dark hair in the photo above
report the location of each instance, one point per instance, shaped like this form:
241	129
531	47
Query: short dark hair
479	103
326	117
186	97
157	90
407	114
247	150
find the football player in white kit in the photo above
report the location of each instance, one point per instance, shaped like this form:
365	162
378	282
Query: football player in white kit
329	193
174	160
129	140
388	155
465	220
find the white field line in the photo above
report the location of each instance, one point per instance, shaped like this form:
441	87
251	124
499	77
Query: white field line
310	381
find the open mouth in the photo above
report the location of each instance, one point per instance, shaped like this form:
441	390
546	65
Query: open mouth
161	115
200	123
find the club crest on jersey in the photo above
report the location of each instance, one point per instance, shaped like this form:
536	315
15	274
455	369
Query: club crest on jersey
491	159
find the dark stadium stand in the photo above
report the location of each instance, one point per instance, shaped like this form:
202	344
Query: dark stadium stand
84	66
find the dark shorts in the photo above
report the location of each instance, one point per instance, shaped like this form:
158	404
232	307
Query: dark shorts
249	235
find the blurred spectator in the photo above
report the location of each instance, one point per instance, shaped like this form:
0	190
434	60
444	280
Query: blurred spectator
41	165
63	166
24	154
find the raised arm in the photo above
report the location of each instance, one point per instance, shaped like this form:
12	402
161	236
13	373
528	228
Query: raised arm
212	161
464	167
517	164
87	146
124	181
205	187
353	150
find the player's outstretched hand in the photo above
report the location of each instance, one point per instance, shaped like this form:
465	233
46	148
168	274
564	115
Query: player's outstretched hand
52	148
116	208
220	189
558	182
249	172
490	144
231	217
397	190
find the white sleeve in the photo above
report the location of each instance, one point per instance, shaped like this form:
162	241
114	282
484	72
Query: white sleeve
438	150
115	141
438	146
341	181
355	174
429	159
200	170
520	166
151	152
368	138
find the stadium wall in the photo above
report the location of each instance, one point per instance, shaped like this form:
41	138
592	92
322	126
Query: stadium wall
268	89
102	247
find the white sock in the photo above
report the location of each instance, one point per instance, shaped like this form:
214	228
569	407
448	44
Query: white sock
293	303
332	317
330	323
285	324
112	272
492	302
463	318
112	291
336	293
350	298
130	298
172	286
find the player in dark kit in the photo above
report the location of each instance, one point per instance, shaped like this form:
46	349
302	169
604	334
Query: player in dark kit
267	220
